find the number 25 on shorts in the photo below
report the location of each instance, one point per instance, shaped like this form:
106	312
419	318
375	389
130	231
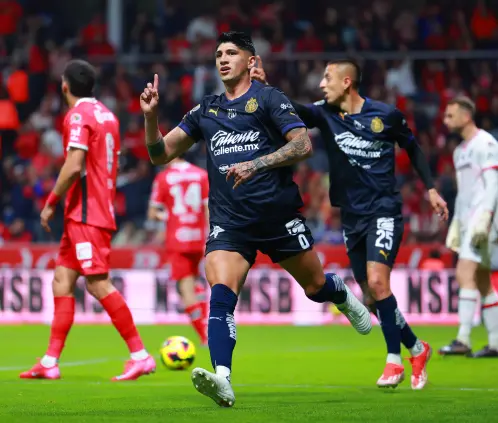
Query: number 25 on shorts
385	232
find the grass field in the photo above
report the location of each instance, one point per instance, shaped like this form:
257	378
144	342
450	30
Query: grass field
281	374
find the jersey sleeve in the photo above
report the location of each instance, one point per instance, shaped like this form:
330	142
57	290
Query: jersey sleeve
282	113
190	123
156	197
489	155
399	130
309	113
78	130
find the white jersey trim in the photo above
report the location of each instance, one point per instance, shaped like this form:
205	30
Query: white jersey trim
77	145
85	100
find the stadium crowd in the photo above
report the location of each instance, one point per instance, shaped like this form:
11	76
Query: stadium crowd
35	45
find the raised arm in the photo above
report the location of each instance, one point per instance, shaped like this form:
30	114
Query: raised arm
162	149
401	132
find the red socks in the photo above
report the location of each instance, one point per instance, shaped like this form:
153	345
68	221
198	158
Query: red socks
61	325
115	306
198	317
117	309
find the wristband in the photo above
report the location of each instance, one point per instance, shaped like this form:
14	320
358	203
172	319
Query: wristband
53	199
156	149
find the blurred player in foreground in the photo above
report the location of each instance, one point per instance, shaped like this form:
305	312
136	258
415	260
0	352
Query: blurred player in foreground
180	198
360	136
473	231
88	180
253	202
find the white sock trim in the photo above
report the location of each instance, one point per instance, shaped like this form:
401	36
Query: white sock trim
223	371
47	361
417	349
394	359
139	355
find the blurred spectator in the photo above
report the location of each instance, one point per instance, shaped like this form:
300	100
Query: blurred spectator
202	28
15	232
11	13
425	224
483	23
261	44
95	30
400	79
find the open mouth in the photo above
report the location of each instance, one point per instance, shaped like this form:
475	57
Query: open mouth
225	69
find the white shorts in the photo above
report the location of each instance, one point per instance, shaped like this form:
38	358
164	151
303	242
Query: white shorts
481	255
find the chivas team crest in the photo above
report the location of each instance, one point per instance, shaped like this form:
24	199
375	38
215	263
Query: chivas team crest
251	105
377	125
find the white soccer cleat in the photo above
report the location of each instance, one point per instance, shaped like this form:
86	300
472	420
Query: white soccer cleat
214	386
356	312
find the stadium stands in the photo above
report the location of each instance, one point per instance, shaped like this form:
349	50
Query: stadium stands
416	57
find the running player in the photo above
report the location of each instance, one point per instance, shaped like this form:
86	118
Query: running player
180	198
361	135
88	181
253	202
473	231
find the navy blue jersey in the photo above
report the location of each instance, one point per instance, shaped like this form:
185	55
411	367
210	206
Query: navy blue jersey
361	151
241	130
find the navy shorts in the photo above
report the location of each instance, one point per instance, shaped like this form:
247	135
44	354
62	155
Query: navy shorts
378	242
278	240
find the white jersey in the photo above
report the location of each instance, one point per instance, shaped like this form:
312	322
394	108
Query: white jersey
471	159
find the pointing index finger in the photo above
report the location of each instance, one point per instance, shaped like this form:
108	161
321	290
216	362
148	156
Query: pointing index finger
156	81
259	62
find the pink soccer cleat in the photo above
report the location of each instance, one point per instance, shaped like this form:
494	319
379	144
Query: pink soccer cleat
136	368
419	367
393	375
40	372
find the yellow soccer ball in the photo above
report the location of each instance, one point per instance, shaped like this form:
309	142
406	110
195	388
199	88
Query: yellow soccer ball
177	353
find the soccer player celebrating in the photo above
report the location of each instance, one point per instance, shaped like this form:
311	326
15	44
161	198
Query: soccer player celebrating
180	197
361	135
473	232
88	180
253	201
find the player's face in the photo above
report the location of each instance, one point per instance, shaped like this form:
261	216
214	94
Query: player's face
334	84
455	118
232	62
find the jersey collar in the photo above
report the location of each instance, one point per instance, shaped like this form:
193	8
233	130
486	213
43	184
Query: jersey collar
180	166
85	100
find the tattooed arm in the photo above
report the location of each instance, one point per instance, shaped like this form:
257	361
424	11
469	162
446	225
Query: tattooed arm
297	148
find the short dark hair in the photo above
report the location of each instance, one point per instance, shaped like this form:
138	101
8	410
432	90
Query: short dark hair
354	64
80	76
465	103
240	39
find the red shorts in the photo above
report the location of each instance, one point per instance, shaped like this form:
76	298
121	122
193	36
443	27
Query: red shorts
85	248
184	264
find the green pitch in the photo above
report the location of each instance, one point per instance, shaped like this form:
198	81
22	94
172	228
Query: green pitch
281	374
